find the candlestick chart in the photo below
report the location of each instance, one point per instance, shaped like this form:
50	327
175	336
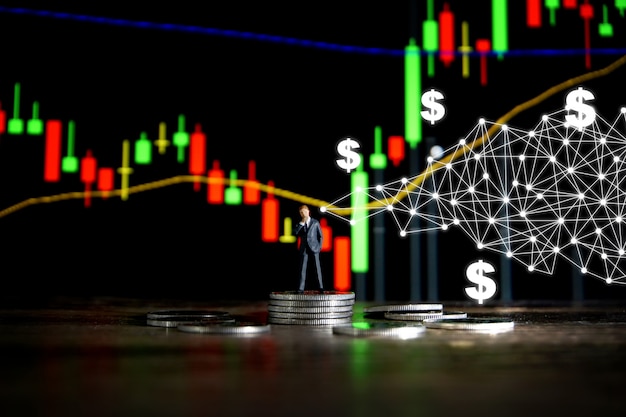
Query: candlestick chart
168	151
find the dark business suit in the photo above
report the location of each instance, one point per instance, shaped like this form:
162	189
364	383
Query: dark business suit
310	244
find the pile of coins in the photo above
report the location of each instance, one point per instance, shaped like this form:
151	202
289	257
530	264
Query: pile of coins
411	320
204	321
331	308
412	312
311	308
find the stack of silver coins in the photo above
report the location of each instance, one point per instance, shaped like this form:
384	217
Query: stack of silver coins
430	316
311	308
205	321
412	312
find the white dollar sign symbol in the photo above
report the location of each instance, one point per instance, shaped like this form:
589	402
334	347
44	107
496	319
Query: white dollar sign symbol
586	114
437	111
485	286
352	159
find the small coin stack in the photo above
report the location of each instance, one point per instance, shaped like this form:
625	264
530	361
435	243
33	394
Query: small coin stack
205	321
311	308
407	312
433	316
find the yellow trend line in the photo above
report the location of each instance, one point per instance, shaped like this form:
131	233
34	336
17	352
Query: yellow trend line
125	190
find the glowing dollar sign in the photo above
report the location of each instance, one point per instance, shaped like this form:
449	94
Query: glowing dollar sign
586	114
352	159
437	111
485	286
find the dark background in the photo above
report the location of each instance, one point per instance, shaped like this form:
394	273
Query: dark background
283	105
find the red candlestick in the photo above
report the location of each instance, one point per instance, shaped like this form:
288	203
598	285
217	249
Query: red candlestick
3	120
88	175
483	46
395	149
251	190
586	12
215	191
570	4
270	227
343	275
197	154
52	153
327	235
533	13
446	35
105	180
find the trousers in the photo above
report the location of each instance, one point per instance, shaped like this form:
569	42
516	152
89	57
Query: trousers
304	260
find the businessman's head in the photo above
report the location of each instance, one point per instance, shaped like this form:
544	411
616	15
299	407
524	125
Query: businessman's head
304	211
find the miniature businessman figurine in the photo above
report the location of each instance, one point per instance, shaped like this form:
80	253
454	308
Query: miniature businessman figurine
310	233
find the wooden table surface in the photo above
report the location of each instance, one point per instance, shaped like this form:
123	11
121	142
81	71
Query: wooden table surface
96	356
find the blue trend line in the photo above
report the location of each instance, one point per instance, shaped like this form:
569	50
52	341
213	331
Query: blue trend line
292	41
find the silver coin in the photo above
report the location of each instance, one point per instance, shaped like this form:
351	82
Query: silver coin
312	295
175	321
402	308
389	329
310	316
189	313
237	327
425	316
310	322
312	303
471	323
285	309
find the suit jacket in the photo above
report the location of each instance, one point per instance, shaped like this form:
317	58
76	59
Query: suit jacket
312	238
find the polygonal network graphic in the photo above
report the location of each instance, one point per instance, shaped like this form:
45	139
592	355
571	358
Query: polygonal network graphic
556	191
